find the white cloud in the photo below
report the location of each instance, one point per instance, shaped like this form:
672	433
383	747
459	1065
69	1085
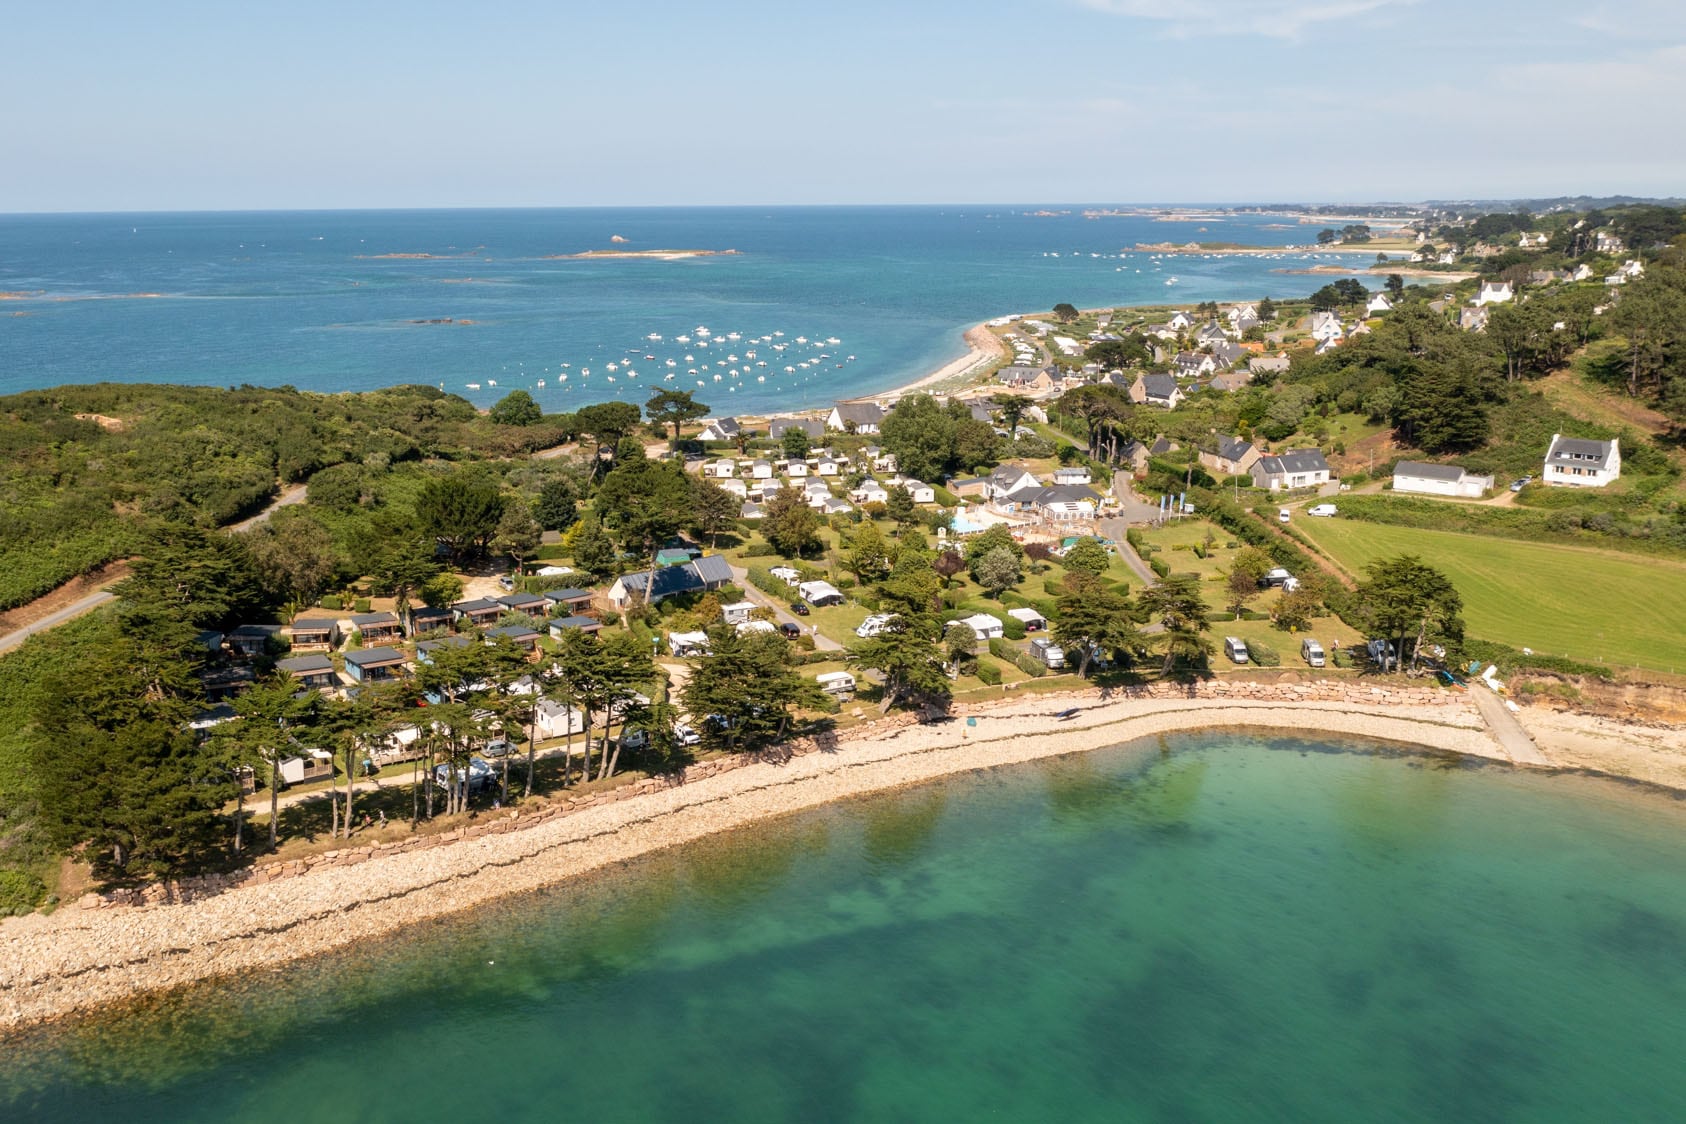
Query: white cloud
1274	19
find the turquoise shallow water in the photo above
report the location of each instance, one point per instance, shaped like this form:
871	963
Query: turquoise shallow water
317	300
1215	927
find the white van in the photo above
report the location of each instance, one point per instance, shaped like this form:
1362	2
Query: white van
1050	653
1236	649
873	625
836	682
1283	515
1312	652
1324	510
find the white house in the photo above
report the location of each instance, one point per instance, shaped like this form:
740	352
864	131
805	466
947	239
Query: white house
1008	479
1180	321
721	429
828	466
1378	304
870	491
688	643
1072	474
552	719
855	417
796	469
737	612
984	626
1439	480
737	487
918	489
1301	468
722	469
1577	463
1494	292
761	470
1326	326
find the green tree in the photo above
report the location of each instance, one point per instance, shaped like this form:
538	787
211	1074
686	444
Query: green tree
744	692
1267	310
905	654
338	487
714	510
518	534
293	557
441	590
557	504
960	644
868	556
1087	556
1176	606
117	770
1295	610
1065	313
1118	353
921	435
1093	617
460	510
900	506
607	422
644	502
516	408
1404	599
794	443
673	408
1395	285
593	551
203	578
790	525
997	570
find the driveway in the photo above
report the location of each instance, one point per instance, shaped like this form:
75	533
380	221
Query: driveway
781	611
74	609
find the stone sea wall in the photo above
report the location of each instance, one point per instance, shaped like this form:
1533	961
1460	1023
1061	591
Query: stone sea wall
1217	690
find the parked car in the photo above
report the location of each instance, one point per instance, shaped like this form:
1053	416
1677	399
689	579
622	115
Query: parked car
1236	649
1518	485
1322	510
789	630
799	608
506	583
1283	515
873	625
635	739
684	735
498	747
1312	652
1380	653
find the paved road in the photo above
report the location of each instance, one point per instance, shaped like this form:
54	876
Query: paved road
69	612
1512	738
780	610
1115	529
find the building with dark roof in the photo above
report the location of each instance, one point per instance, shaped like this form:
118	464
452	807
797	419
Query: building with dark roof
1296	468
1579	463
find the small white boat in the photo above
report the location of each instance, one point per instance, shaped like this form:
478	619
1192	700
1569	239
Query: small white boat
474	386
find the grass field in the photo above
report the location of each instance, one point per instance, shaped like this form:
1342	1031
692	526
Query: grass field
1587	604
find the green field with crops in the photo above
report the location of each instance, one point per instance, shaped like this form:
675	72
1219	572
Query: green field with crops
1587	604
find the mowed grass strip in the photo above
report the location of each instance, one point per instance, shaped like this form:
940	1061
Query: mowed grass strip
1587	604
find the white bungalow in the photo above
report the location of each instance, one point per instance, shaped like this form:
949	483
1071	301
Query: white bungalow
870	491
796	469
984	626
761	470
723	469
1439	480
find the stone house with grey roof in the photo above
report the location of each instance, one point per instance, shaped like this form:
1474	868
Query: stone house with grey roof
1296	468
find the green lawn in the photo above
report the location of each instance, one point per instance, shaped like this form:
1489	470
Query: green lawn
1587	604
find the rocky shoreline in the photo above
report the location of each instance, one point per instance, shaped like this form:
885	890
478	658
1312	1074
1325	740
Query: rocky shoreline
119	946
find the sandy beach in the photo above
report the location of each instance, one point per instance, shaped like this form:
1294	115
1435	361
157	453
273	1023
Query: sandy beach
78	958
984	348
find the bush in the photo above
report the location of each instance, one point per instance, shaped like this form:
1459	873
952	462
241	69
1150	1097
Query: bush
1053	587
1000	649
361	605
761	578
1013	627
988	673
1341	657
1219	618
1263	654
1160	567
333	601
1030	665
20	892
760	549
1510	660
1254	615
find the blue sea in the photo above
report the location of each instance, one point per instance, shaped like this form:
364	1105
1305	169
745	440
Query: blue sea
832	301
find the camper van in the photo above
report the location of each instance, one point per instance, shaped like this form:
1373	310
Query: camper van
1235	648
1283	515
1312	652
1049	653
836	683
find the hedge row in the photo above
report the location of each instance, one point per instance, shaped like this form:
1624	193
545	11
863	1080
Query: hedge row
1000	649
1263	654
988	673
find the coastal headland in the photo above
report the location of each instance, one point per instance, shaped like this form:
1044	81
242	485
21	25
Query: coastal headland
106	949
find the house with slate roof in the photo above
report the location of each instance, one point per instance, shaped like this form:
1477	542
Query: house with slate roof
479	612
314	634
855	417
1025	379
1296	468
813	427
711	571
1578	463
1233	457
1439	480
721	429
1157	390
377	628
311	672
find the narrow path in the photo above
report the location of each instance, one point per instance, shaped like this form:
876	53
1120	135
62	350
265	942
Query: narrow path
1506	730
821	641
69	612
1115	529
291	494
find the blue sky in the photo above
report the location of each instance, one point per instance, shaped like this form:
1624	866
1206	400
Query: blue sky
182	106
